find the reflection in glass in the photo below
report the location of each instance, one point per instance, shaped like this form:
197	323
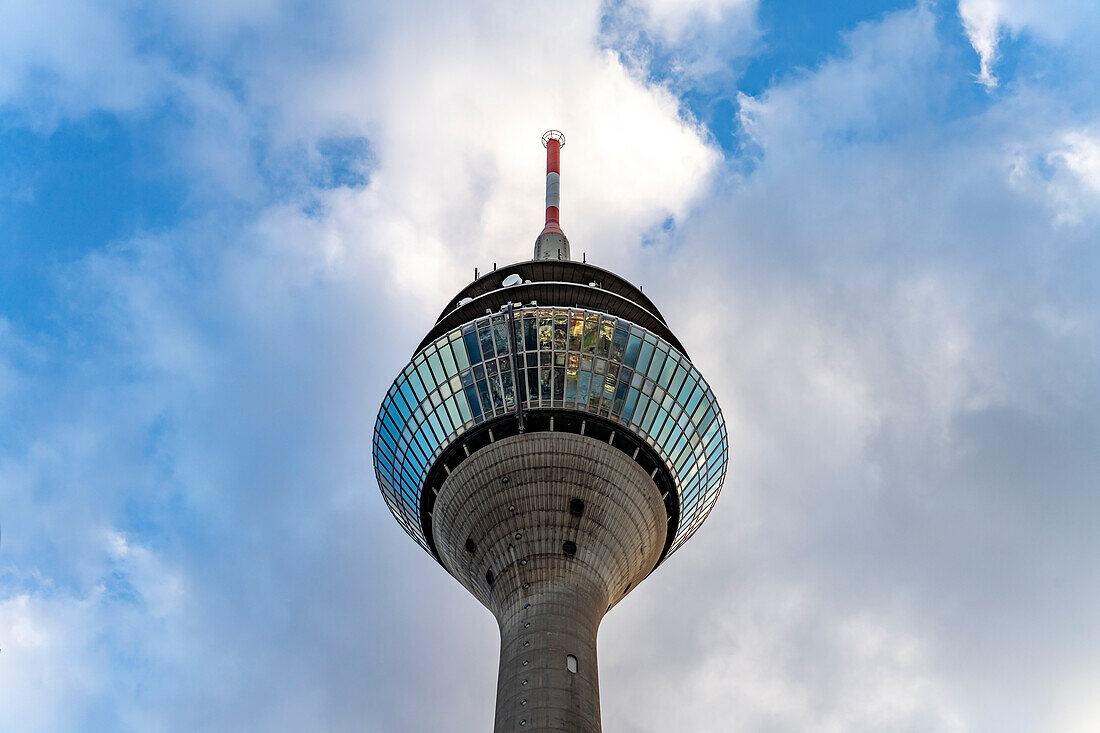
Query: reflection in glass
581	357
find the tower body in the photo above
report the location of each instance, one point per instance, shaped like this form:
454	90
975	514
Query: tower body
550	444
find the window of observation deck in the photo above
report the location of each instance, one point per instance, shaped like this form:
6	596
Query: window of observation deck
565	358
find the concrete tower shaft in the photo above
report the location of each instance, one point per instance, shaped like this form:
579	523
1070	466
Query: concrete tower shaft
549	530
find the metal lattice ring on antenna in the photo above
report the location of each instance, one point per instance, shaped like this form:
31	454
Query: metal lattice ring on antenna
553	135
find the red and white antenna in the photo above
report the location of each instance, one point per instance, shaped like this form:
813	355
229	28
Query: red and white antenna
552	244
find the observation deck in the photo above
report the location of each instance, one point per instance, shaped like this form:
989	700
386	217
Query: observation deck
575	366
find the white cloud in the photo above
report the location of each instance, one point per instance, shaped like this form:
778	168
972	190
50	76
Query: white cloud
879	84
670	19
456	131
982	20
61	649
691	45
60	58
217	429
39	674
1077	709
986	22
1061	168
777	658
1080	154
899	335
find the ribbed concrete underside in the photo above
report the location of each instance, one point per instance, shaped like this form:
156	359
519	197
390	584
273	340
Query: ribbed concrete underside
514	509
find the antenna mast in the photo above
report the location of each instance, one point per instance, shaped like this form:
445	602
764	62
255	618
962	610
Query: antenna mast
552	244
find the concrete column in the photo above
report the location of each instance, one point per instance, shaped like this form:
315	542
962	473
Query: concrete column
549	530
537	684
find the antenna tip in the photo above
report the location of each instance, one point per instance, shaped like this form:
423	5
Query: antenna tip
553	135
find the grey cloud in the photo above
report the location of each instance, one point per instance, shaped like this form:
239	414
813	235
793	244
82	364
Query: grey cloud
913	434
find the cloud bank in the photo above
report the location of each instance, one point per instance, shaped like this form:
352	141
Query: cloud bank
889	280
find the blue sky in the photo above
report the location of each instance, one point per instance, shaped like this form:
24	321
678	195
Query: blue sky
224	226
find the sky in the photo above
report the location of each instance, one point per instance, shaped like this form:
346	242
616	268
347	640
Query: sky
225	226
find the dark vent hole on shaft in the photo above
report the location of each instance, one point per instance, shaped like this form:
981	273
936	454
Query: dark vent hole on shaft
576	507
569	548
489	577
471	546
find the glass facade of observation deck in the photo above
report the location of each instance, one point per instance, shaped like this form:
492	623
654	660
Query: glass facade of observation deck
566	359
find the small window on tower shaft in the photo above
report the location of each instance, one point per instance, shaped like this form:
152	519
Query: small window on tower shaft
576	507
571	663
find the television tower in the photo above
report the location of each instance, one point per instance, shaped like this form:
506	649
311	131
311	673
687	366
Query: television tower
550	444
